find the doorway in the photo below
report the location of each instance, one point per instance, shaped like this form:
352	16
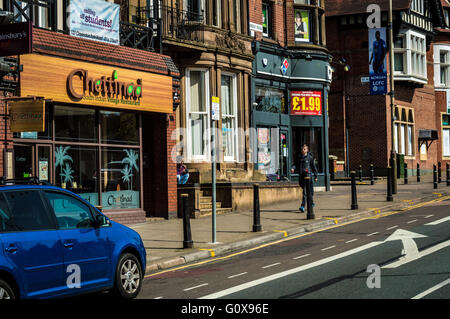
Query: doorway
311	136
33	160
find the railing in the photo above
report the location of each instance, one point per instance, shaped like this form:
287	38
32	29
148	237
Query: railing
44	14
176	23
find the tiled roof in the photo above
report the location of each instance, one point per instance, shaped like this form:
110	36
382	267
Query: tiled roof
63	45
344	7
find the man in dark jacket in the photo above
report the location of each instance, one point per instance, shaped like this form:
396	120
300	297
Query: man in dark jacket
306	166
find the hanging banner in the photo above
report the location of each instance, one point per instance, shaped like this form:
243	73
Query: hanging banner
377	61
95	20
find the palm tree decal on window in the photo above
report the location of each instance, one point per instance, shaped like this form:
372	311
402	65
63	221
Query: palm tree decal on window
131	161
67	172
60	157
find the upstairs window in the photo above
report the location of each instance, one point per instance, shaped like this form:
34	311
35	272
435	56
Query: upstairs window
410	57
418	6
267	19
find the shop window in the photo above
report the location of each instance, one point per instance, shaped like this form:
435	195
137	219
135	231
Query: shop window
119	127
270	100
229	116
197	114
268	151
120	178
446	135
75	124
76	169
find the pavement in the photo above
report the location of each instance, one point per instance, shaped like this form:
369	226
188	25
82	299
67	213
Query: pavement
163	239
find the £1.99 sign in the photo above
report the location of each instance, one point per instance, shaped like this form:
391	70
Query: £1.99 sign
306	103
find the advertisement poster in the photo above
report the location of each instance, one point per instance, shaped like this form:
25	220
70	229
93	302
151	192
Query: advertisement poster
377	61
306	103
301	26
95	20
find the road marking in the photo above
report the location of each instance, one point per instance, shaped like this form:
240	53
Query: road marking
237	275
328	247
432	289
372	234
298	257
160	297
335	220
268	266
289	272
351	240
392	227
421	254
212	252
428	216
187	289
285	234
412	221
439	221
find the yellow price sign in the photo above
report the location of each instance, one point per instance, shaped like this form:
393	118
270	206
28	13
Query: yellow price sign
306	103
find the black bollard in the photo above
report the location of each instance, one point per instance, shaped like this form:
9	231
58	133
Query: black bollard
256	209
435	183
418	173
439	172
447	168
389	197
360	174
354	195
187	241
372	175
309	199
406	174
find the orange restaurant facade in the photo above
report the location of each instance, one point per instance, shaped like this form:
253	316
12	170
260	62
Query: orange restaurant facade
105	117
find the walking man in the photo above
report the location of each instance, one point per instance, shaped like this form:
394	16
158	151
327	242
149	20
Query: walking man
306	166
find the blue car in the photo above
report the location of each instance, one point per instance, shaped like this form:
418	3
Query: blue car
53	244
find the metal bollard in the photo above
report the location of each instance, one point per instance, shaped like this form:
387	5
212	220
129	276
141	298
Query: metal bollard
256	209
360	174
389	196
435	183
309	199
447	168
187	236
372	175
418	173
406	174
354	195
439	172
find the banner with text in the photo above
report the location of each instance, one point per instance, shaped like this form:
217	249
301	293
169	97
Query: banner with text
377	61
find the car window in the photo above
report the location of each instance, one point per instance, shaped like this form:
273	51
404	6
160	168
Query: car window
5	216
26	212
69	211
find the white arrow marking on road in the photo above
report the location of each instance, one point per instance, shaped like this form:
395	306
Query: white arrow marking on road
439	221
410	250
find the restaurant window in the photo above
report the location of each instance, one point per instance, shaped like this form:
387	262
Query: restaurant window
270	100
75	124
119	127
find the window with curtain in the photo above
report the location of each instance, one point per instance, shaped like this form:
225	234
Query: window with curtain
197	112
229	118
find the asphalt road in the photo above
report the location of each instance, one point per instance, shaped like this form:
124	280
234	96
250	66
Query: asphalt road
403	255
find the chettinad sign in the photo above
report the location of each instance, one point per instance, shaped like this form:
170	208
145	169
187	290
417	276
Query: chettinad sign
70	81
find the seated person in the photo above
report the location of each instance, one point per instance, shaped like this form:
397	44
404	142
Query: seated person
182	173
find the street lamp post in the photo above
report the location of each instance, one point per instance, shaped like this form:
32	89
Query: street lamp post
392	161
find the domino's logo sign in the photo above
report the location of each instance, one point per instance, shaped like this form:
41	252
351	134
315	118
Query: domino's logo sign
284	66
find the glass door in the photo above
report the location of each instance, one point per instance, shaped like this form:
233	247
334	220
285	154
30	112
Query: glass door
23	161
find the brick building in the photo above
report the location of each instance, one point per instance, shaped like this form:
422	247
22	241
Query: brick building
107	113
360	123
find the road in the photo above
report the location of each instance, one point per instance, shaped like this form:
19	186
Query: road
402	255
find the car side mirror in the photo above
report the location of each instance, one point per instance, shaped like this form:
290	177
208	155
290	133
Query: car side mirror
102	220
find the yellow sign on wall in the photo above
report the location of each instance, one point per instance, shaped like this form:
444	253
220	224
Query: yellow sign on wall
70	81
27	116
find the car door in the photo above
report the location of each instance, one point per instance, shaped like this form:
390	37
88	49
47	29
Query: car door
31	243
86	247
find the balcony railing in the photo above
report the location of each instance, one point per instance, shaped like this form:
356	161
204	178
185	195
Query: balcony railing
176	23
45	13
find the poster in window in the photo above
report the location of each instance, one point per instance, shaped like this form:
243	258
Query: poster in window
301	30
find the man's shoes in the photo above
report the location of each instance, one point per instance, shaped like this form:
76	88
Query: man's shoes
301	209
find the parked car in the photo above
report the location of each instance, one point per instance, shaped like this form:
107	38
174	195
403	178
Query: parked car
53	243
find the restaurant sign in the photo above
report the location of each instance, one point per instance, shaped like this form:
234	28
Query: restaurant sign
27	115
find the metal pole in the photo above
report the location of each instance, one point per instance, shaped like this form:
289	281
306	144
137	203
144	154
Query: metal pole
389	197
447	168
418	173
406	173
256	209
360	173
439	172
354	196
392	96
372	175
213	180
435	183
187	236
309	199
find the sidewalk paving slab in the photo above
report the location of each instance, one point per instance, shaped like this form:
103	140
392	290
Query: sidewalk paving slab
163	239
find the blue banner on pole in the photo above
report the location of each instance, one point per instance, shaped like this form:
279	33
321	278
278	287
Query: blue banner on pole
377	61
